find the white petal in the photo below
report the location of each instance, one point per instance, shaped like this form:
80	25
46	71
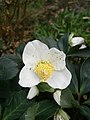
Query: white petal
57	58
28	78
33	92
57	96
77	41
83	46
86	18
61	115
60	79
33	51
31	65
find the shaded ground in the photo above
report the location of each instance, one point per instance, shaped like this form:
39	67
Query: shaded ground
22	28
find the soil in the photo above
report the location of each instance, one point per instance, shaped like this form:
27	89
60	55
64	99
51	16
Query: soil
13	33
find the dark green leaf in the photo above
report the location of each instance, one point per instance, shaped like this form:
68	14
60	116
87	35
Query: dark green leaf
22	117
67	99
85	70
46	110
74	82
0	112
9	86
17	105
4	89
85	76
31	112
8	69
87	101
42	110
85	111
75	51
1	42
45	87
19	49
49	41
14	58
63	43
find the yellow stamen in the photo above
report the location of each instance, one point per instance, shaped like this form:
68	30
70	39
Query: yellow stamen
44	70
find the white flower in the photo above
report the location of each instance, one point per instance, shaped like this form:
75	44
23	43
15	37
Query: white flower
86	18
57	95
61	115
77	41
33	92
73	41
43	65
83	46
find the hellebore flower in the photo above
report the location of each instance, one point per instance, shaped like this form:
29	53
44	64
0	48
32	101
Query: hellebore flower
33	92
61	115
43	65
57	95
77	41
83	46
73	41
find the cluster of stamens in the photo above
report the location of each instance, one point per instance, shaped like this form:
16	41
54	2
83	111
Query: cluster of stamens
44	70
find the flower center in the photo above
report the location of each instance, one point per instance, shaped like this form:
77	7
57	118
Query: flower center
44	70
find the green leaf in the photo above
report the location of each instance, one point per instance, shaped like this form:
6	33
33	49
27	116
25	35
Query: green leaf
0	112
87	101
67	99
22	117
19	49
17	105
63	43
70	38
85	76
8	69
42	110
46	110
9	86
85	70
74	82
75	51
31	112
15	59
49	41
85	111
4	89
1	42
43	87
